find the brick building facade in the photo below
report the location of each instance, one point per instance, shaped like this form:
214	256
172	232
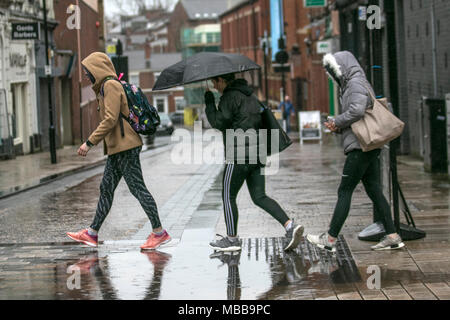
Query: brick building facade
245	25
75	103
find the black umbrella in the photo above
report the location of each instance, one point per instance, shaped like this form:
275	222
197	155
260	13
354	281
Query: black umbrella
202	66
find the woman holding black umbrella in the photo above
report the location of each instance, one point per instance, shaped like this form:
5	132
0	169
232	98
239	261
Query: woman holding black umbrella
239	109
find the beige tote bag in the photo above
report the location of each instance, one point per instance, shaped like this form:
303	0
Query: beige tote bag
378	126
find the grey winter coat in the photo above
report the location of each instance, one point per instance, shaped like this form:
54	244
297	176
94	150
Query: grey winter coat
354	97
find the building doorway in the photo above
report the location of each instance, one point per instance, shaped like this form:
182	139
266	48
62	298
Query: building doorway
20	125
66	111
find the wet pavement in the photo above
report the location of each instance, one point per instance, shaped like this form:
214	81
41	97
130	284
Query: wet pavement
189	270
31	170
38	262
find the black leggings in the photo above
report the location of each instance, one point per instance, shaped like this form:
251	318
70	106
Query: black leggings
365	167
233	178
128	165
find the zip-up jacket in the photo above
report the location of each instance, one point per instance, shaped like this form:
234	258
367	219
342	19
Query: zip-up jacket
238	109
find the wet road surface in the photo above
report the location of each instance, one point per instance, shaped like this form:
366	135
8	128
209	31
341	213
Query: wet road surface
38	262
186	270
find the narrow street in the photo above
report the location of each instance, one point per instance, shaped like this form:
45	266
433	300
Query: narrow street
37	260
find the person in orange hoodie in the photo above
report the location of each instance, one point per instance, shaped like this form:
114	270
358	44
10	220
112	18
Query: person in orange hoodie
123	146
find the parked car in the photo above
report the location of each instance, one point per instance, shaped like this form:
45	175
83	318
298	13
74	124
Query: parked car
177	118
166	126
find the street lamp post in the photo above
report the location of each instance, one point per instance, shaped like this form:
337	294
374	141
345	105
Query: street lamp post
48	72
265	50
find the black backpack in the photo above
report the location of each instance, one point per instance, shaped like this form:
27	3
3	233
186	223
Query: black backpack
143	118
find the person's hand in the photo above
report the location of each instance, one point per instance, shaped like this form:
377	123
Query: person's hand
331	125
83	150
209	97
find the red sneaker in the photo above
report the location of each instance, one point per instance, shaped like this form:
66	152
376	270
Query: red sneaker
154	241
84	237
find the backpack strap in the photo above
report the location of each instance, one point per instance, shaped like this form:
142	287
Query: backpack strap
102	92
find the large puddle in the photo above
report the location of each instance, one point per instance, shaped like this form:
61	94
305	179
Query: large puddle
191	270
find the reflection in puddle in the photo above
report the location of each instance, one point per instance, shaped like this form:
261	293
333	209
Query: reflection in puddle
188	271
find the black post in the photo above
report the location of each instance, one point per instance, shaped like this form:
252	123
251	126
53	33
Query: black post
282	82
282	46
265	71
51	130
395	186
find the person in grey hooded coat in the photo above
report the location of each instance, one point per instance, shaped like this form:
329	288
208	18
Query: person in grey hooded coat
355	98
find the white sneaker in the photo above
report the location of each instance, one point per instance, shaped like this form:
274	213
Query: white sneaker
388	243
322	241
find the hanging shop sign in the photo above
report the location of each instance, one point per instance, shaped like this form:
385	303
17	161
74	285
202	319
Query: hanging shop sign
25	31
315	3
324	47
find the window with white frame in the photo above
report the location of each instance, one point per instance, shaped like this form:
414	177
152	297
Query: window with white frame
180	103
134	79
161	103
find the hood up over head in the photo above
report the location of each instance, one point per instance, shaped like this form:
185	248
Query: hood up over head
342	66
99	66
240	85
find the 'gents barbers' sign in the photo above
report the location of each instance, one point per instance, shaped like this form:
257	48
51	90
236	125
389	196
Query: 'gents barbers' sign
25	31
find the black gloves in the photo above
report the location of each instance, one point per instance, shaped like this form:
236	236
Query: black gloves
209	98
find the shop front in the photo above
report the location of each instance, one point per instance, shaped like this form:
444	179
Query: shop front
22	103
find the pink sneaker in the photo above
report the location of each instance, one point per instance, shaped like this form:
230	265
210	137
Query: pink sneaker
154	241
84	237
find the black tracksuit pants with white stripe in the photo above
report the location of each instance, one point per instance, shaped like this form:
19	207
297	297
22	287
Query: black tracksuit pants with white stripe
233	178
128	165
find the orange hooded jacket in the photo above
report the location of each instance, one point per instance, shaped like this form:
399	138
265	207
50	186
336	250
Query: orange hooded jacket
111	103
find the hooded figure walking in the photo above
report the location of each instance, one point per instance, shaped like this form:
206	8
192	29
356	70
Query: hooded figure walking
123	149
345	70
240	111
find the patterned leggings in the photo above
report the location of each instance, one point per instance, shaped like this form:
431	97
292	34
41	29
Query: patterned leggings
128	165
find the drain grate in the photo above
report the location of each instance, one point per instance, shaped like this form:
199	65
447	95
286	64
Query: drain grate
339	268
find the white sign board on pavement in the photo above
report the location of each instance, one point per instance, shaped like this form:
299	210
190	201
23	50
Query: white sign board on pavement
310	126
